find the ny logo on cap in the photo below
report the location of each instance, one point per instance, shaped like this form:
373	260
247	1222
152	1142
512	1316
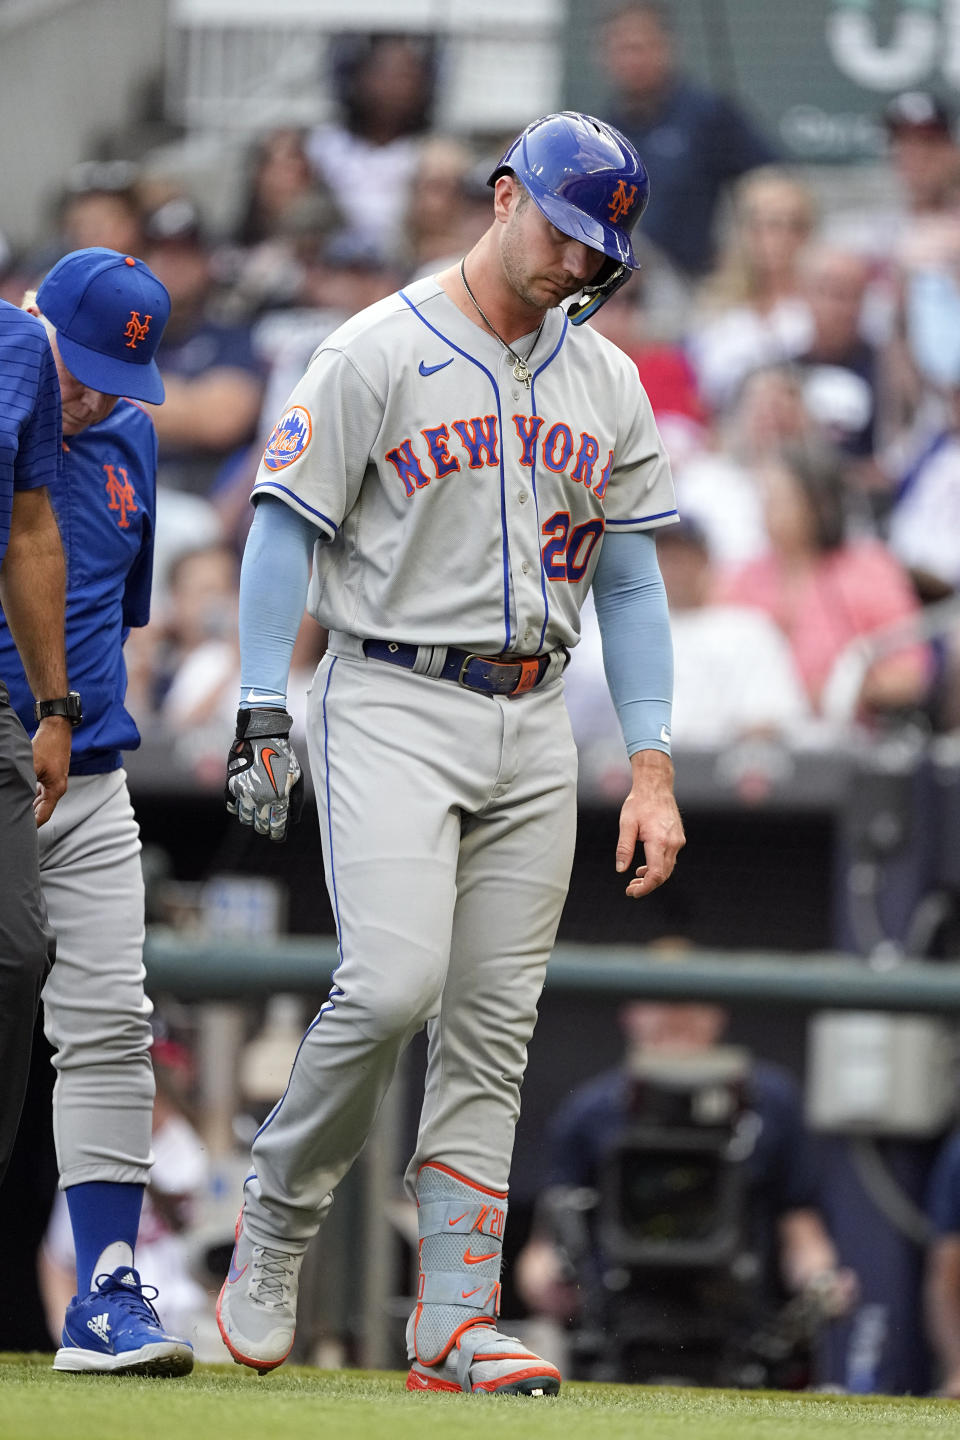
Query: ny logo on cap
136	329
622	201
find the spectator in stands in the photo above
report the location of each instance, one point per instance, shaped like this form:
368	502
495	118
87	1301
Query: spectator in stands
924	524
693	142
824	591
338	277
436	214
753	310
781	1224
719	488
286	213
639	319
200	626
99	204
734	674
198	655
384	85
199	659
213	382
841	368
280	179
924	161
924	152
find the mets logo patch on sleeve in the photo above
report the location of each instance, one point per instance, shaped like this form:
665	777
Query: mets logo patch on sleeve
290	438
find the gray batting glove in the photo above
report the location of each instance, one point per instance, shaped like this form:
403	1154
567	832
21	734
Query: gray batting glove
264	781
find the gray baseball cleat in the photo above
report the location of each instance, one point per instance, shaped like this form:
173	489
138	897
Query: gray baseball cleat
257	1308
483	1360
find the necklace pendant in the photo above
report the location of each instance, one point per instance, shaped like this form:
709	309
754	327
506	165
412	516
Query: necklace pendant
521	373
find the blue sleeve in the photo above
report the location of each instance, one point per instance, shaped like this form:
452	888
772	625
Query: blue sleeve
943	1195
635	633
40	455
273	590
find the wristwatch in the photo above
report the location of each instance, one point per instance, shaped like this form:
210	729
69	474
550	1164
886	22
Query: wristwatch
69	706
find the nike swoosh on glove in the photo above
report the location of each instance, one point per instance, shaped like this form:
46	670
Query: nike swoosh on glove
264	781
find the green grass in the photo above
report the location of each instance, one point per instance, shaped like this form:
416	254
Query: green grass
222	1402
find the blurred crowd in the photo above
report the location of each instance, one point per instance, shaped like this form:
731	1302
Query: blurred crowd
802	359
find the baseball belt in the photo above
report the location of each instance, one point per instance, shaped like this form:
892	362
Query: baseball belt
489	674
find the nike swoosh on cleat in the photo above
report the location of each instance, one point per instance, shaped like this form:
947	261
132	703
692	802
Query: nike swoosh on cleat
469	1259
233	1274
465	1294
432	369
266	755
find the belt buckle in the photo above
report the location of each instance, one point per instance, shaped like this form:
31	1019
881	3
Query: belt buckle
461	677
492	662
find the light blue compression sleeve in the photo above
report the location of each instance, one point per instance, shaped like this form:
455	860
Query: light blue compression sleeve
274	578
635	630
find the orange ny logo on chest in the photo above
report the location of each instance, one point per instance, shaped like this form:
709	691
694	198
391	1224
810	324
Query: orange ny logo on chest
136	329
476	442
121	496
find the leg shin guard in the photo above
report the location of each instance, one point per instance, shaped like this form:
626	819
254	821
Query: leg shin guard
461	1238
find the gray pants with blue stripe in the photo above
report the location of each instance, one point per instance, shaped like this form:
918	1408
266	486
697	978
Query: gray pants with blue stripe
448	820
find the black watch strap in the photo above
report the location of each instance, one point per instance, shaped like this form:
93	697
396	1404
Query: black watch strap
67	705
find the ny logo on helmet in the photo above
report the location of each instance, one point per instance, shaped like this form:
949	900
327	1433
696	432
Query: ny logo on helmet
622	200
136	329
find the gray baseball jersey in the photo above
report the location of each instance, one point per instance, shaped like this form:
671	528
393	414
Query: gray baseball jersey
461	507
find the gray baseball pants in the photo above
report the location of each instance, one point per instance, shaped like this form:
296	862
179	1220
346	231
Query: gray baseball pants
448	821
27	946
96	1015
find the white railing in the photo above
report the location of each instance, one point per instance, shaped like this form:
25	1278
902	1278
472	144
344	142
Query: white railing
242	65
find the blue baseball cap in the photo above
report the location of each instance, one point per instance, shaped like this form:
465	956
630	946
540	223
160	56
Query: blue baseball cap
109	311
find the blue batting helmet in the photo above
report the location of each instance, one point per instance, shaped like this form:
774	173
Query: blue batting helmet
589	182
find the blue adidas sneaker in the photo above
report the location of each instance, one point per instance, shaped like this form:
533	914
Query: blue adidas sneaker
115	1330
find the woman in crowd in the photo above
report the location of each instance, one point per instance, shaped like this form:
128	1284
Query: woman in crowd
826	591
753	312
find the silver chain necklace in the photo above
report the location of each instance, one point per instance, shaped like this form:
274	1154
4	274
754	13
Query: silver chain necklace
521	368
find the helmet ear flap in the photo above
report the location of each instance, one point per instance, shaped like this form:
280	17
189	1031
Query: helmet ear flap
607	282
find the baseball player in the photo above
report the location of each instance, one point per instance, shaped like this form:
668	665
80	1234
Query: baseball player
32	592
461	461
104	313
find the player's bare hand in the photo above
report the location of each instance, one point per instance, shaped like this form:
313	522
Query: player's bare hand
51	761
264	781
650	818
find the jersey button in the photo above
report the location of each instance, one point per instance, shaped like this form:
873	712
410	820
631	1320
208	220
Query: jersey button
525	567
522	497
